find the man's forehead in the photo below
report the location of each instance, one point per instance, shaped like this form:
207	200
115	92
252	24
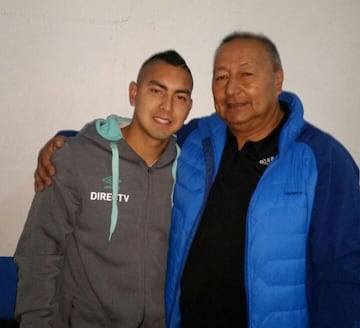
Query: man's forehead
167	75
160	68
241	46
242	53
168	85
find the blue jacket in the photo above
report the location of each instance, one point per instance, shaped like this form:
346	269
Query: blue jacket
302	252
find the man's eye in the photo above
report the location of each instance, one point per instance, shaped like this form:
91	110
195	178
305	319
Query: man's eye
156	91
220	78
181	97
246	74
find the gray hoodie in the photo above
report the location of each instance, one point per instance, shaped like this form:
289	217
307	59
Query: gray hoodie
87	259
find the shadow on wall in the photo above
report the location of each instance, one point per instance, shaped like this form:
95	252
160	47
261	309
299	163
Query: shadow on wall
8	280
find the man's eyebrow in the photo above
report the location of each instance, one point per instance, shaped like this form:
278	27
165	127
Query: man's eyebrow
223	67
162	86
186	91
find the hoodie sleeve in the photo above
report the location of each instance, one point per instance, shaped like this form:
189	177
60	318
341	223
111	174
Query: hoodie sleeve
40	250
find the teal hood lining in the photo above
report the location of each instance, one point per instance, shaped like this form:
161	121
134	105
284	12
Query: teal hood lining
173	172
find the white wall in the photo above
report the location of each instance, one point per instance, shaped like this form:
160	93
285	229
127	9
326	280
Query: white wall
65	62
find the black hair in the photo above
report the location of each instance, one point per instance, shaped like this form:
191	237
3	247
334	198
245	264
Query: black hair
170	57
265	41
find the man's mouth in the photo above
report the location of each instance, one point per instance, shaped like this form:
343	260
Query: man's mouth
235	105
162	120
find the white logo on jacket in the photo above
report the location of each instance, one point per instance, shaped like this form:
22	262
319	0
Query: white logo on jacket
266	161
108	197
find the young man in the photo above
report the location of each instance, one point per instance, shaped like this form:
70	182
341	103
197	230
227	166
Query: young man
93	250
265	229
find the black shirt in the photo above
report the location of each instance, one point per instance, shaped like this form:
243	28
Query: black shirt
213	288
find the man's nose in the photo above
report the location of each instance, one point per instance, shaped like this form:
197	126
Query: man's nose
166	103
233	86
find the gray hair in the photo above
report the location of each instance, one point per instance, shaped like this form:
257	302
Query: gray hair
264	40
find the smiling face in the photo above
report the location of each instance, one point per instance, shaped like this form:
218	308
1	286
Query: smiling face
162	101
246	87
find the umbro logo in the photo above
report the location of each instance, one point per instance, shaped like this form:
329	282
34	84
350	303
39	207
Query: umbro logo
108	182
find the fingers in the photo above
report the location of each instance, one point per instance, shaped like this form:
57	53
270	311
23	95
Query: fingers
45	170
45	167
59	141
40	183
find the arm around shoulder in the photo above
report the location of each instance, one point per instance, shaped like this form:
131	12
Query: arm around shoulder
45	169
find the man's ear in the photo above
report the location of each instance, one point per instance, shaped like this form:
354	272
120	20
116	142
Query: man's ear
279	79
132	93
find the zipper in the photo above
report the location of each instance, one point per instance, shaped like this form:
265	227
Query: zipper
144	236
247	232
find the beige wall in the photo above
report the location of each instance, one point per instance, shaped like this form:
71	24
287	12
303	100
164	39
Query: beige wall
63	63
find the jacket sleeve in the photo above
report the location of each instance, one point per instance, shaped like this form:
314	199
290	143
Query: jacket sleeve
67	133
334	242
185	130
40	250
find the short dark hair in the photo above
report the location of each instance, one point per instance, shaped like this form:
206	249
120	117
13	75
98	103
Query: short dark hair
265	41
170	57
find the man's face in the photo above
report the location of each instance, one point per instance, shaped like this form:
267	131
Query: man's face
162	100
245	85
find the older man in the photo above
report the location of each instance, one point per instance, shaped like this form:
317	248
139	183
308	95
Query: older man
266	219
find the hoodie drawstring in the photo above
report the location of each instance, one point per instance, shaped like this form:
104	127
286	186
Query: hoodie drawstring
115	187
110	130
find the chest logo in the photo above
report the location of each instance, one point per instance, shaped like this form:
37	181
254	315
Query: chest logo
266	161
108	182
108	196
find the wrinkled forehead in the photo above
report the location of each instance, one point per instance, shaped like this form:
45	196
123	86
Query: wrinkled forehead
239	51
